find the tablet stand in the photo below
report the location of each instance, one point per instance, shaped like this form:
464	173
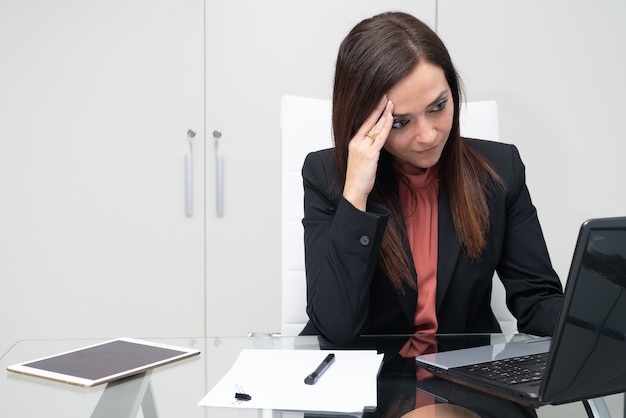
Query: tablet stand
123	398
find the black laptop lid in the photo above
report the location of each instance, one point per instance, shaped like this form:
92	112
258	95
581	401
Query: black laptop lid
589	352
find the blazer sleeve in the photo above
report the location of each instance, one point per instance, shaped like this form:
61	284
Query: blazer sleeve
533	289
341	252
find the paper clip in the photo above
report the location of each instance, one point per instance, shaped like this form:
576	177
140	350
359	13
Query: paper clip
240	395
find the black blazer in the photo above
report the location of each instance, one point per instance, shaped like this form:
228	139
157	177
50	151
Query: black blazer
348	294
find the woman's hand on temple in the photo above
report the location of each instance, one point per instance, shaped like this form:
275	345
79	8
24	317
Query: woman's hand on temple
364	152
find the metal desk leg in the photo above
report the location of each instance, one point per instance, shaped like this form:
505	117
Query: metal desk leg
596	408
123	398
148	405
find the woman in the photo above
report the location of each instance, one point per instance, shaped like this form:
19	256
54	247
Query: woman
405	221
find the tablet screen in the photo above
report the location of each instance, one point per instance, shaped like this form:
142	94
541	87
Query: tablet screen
89	366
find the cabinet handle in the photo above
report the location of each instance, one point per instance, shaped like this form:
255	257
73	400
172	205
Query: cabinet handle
219	175
219	184
189	175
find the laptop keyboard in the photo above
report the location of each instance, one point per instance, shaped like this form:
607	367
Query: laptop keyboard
512	371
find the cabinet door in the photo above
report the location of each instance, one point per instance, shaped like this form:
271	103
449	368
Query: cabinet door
256	52
556	70
96	99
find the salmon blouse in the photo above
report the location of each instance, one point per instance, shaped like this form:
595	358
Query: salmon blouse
420	207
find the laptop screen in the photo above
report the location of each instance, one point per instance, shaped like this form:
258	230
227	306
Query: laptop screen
592	358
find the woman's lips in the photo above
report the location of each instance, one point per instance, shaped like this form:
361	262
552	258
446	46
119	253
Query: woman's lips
428	151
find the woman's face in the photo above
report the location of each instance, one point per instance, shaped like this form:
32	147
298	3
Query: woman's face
423	113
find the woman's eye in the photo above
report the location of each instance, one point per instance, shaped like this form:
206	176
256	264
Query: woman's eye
440	106
399	123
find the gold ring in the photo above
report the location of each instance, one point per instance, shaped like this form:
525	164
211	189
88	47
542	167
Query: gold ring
372	135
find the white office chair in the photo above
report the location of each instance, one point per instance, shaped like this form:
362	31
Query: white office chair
306	126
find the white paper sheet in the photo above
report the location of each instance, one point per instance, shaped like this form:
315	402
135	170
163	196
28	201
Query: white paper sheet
275	380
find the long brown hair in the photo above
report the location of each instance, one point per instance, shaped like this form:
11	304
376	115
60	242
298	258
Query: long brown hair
374	56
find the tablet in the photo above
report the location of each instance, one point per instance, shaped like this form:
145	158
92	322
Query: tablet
103	362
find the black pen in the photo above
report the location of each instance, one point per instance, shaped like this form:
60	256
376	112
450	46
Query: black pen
324	365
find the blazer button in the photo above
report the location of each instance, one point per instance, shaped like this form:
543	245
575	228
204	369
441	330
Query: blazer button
365	240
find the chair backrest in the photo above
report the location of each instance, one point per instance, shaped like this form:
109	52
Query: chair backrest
306	126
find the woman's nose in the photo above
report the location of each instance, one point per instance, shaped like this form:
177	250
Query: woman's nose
425	132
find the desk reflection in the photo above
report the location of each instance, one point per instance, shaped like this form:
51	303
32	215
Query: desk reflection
408	391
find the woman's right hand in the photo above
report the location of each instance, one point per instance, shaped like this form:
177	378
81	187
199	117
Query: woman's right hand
364	152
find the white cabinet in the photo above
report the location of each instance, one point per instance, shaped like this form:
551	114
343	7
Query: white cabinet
96	99
256	52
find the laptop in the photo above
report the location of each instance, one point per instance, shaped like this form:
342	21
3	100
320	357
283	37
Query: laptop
586	357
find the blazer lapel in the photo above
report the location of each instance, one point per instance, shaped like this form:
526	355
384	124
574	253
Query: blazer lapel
408	300
449	247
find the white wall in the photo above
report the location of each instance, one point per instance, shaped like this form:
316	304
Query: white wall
557	71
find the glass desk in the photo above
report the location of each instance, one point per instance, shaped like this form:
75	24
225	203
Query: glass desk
174	390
